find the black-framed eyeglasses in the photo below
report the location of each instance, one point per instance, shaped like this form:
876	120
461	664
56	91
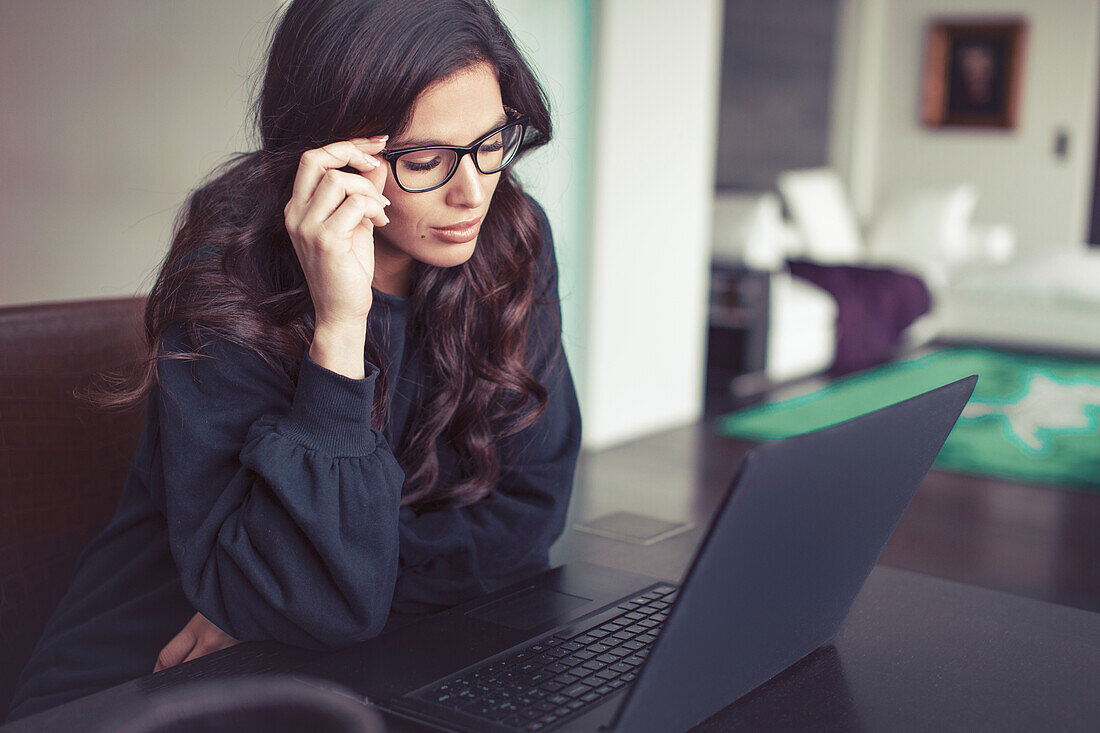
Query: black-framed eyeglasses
418	170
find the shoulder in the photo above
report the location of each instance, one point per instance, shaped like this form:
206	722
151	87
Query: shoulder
542	220
546	263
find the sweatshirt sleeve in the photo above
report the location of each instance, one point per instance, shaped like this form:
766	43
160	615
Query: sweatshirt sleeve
450	556
282	503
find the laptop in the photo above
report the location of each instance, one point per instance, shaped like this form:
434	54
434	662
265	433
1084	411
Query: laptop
586	648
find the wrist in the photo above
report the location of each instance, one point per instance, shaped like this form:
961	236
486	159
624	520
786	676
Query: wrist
339	347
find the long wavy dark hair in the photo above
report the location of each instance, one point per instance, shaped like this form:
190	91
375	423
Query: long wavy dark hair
341	69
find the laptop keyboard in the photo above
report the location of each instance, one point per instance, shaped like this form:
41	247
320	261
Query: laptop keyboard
559	676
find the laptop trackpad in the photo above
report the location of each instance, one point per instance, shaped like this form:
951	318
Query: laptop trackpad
527	608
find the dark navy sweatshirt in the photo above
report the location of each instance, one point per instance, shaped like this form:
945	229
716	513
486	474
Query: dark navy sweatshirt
273	508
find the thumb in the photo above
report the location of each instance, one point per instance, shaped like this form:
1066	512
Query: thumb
176	650
379	176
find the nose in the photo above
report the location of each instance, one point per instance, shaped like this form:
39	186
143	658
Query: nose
467	187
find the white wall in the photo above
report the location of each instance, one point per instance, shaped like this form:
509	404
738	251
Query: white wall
112	110
1045	199
656	96
556	39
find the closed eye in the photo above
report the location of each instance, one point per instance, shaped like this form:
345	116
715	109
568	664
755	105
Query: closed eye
421	165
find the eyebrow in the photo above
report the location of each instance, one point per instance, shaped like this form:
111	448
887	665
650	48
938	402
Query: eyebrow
425	143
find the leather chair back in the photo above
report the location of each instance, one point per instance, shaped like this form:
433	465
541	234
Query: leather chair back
62	462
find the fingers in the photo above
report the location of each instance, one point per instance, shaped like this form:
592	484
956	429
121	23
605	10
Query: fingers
334	188
177	650
198	638
321	188
209	646
351	214
315	163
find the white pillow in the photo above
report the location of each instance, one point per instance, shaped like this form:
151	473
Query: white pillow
925	227
820	208
749	229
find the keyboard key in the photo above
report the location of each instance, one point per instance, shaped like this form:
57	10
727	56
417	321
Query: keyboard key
620	667
633	661
598	633
551	685
634	616
584	639
567	678
599	648
625	650
557	699
576	690
590	697
632	645
606	674
623	635
571	646
594	665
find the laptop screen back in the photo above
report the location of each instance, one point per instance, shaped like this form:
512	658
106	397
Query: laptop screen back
785	556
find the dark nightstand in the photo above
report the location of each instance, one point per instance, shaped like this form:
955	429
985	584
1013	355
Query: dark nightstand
737	333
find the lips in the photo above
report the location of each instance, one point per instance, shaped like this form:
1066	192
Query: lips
460	232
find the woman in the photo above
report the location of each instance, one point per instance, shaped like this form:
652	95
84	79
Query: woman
357	399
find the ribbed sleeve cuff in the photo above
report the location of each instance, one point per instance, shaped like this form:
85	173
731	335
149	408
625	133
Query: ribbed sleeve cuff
331	413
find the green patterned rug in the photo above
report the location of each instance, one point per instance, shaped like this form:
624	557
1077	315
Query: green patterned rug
1032	418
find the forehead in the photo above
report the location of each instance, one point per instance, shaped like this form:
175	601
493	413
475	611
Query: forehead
458	109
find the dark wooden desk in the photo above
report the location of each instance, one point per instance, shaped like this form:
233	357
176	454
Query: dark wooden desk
916	653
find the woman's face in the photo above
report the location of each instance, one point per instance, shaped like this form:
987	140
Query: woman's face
440	227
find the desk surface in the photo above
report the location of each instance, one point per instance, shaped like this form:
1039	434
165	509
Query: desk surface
915	653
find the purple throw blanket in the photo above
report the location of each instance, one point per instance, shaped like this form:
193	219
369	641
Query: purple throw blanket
874	305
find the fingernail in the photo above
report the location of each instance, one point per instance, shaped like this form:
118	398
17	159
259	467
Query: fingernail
374	162
385	220
386	201
379	138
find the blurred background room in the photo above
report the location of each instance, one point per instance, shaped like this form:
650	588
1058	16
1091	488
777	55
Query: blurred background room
770	215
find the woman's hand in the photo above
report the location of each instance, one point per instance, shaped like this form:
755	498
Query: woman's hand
198	638
331	217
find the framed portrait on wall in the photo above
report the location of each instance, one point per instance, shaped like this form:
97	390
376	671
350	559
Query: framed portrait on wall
972	73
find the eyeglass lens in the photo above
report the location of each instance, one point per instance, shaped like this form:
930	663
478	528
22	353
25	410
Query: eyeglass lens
424	169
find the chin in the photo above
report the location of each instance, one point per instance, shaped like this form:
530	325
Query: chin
445	254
